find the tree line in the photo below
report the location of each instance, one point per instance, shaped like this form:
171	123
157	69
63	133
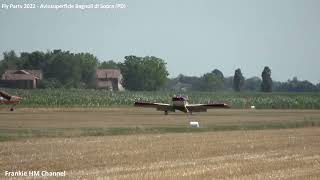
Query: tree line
64	69
215	81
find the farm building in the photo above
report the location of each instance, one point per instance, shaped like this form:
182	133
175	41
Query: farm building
109	79
24	79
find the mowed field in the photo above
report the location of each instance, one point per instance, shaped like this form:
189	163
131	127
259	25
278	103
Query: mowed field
129	143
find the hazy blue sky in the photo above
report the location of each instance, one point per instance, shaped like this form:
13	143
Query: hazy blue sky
193	37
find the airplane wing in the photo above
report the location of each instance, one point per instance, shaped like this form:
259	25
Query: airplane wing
158	106
204	107
5	95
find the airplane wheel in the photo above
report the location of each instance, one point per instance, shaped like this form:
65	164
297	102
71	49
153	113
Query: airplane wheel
11	109
166	113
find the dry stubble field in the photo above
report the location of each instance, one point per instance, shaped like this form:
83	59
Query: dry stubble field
242	154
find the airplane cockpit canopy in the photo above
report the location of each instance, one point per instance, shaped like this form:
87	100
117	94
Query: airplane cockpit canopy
180	98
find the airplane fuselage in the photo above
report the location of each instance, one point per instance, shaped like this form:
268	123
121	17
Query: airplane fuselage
9	100
180	103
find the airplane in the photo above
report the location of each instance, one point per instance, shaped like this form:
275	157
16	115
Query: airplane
181	103
7	99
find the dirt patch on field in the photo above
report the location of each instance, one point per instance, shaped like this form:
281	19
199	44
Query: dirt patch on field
257	154
263	154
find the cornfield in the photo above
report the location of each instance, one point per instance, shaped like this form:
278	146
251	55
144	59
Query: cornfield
103	98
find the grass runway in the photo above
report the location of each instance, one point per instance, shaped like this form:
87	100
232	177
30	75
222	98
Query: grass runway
77	122
129	143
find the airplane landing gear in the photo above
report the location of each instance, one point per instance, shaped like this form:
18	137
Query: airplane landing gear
12	108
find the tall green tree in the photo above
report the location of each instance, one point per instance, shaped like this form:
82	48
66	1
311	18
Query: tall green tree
266	85
211	82
108	65
34	60
143	73
65	67
218	73
220	76
68	69
238	80
10	61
